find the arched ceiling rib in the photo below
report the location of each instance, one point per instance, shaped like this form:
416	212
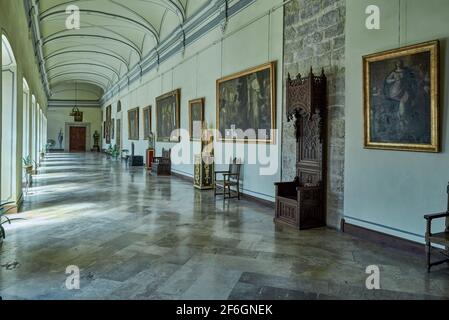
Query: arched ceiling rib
113	38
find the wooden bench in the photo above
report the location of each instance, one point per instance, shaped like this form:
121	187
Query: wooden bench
440	238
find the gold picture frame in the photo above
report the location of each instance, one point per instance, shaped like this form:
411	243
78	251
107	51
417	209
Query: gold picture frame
133	124
168	116
260	75
147	121
196	104
401	99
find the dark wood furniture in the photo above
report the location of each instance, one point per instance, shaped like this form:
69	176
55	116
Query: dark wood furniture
204	167
441	238
162	165
133	160
302	202
230	184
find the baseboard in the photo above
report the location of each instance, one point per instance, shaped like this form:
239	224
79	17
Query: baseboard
244	195
383	238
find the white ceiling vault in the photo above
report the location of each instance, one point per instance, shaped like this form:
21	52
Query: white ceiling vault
114	38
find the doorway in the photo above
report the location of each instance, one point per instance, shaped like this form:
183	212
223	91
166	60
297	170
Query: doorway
77	139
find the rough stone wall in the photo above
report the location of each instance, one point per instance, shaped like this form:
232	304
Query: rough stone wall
314	36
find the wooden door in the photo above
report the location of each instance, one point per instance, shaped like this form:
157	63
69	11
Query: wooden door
77	139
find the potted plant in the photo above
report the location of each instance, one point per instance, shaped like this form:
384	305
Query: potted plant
4	219
115	152
50	145
28	165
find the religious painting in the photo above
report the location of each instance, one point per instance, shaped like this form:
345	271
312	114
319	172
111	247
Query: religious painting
196	119
146	122
401	99
108	124
246	105
168	117
133	124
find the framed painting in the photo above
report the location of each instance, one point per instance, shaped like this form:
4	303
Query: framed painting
246	105
401	99
133	124
108	123
113	129
168	117
196	118
147	122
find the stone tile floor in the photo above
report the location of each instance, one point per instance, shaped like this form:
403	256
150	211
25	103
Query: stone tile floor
135	236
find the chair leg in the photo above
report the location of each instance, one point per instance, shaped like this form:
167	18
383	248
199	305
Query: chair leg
428	252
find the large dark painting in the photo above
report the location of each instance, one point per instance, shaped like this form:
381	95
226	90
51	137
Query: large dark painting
196	119
133	124
167	117
401	99
246	102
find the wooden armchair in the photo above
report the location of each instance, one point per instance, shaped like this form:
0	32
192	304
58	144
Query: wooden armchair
230	184
161	166
441	238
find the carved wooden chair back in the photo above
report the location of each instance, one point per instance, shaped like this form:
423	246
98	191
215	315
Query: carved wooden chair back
166	154
235	169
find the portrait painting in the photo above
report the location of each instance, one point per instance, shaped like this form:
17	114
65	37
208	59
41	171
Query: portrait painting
133	124
246	105
147	122
196	119
168	117
401	99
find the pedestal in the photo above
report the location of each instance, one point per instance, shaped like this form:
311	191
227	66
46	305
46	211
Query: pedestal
150	158
204	172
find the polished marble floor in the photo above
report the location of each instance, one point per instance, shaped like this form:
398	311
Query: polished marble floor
134	236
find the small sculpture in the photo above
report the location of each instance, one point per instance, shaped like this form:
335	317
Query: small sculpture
60	138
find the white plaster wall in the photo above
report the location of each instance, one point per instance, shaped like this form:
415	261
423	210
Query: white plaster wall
196	72
390	191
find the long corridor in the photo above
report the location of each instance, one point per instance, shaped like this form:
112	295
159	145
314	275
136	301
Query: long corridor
134	236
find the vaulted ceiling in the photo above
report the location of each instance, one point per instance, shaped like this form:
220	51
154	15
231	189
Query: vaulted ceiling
114	36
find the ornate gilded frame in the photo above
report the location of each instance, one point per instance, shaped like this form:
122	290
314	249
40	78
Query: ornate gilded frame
433	48
191	104
177	94
272	67
147	110
136	120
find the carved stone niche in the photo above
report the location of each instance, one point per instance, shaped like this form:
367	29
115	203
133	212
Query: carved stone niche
302	202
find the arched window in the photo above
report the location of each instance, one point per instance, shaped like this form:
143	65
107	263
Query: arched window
9	167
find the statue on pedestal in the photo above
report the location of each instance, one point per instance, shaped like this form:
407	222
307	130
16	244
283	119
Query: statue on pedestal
96	141
60	139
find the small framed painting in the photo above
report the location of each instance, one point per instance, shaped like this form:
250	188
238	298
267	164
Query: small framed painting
147	122
133	124
401	99
196	118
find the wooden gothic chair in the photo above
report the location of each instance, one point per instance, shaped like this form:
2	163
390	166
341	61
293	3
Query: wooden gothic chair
161	166
302	202
441	238
230	184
